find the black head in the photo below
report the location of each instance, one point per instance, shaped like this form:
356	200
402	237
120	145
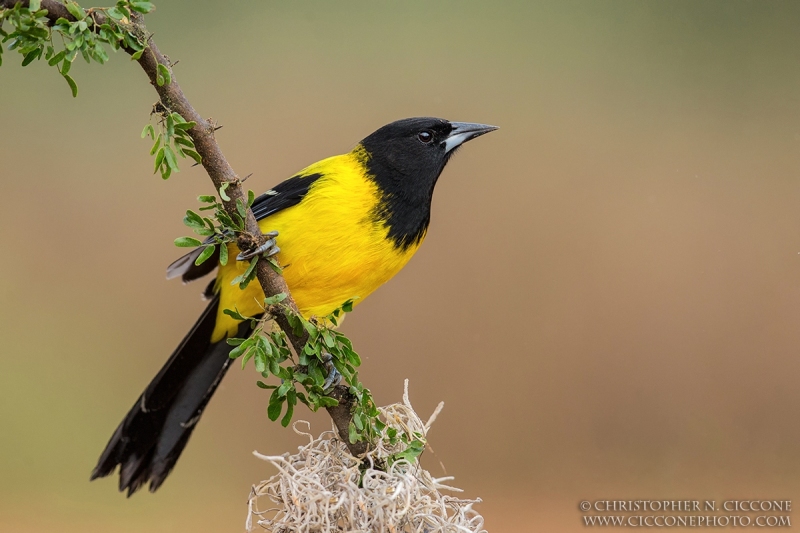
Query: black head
405	158
419	148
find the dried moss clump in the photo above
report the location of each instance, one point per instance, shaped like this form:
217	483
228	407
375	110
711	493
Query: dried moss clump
318	490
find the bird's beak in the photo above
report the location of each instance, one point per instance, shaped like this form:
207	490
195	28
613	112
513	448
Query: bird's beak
463	132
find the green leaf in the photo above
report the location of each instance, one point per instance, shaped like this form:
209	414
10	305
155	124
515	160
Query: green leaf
223	254
66	65
57	58
326	335
237	352
207	252
169	157
414	450
170	127
163	76
263	342
294	322
251	196
193	220
352	357
235	314
99	54
238	221
240	208
327	401
272	300
194	155
311	329
30	56
353	434
263	385
260	361
156	144
75	10
159	158
72	85
183	141
222	191
187	242
288	416
245	279
223	217
274	265
34	5
184	126
347	306
284	388
115	13
136	56
122	5
206	199
302	398
142	6
315	372
148	130
274	367
274	409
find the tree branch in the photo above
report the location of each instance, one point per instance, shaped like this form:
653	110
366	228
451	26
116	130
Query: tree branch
220	172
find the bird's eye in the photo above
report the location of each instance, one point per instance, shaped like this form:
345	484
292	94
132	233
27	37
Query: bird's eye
425	136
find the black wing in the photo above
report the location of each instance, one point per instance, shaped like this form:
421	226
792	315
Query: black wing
283	195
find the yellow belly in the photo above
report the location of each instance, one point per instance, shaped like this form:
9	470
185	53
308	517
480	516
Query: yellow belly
332	248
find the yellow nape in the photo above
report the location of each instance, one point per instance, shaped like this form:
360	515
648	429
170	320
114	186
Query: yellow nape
333	248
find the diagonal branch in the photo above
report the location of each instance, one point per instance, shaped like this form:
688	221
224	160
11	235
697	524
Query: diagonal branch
220	172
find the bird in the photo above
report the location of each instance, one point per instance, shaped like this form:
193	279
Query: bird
341	228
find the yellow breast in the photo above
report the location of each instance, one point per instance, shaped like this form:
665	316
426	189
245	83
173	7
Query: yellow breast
332	247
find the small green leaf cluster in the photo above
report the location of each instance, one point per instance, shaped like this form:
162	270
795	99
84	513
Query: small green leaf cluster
415	445
171	141
33	37
30	34
218	229
272	356
325	346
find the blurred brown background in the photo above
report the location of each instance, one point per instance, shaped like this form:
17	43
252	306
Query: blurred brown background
626	249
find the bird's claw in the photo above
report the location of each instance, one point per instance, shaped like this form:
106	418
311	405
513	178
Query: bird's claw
334	377
267	249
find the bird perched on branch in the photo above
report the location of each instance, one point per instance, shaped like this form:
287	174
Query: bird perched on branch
347	224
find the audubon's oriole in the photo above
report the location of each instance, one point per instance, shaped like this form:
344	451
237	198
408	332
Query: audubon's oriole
347	224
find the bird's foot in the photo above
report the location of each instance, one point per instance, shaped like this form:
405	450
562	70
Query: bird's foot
334	377
267	249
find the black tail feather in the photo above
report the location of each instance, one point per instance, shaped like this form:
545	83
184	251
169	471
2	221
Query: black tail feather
148	442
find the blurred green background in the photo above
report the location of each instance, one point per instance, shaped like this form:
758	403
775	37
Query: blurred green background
625	250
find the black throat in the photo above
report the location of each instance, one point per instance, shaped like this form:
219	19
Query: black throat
406	195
